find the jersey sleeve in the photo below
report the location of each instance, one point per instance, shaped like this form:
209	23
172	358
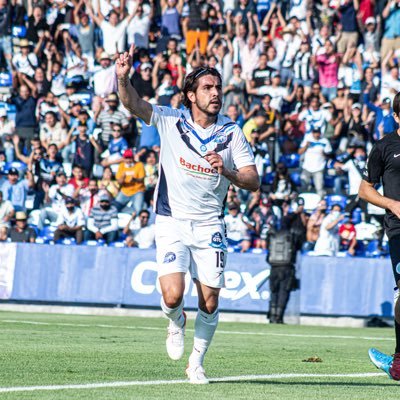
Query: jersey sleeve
241	151
373	170
163	118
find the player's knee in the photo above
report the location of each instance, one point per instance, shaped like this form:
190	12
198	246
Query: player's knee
172	299
209	306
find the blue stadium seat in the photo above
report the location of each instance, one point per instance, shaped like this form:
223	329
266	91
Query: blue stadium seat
329	181
332	199
290	160
48	232
117	244
94	243
5	79
268	178
356	216
296	178
18	31
372	249
67	241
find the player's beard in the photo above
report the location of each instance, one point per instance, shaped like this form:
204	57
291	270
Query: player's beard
206	108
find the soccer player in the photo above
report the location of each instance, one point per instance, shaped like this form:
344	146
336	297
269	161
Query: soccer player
383	166
202	152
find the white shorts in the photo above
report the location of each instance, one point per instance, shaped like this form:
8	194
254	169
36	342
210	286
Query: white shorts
195	246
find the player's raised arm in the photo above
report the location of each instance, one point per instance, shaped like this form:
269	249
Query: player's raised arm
127	93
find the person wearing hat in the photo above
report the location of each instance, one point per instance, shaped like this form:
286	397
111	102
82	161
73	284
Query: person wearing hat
21	232
236	229
16	190
103	76
107	117
143	81
26	61
103	221
70	222
130	176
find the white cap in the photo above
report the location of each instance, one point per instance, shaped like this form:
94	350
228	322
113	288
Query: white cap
370	20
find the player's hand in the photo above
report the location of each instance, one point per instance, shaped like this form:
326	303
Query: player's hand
394	207
124	63
215	160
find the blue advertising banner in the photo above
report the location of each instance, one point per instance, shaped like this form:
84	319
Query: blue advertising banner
105	275
346	286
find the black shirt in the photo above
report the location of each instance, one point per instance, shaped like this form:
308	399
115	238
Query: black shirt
198	15
260	76
144	88
383	166
25	236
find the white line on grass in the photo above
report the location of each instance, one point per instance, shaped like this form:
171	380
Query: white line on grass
219	331
180	381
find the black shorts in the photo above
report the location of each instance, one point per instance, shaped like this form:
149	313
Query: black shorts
394	250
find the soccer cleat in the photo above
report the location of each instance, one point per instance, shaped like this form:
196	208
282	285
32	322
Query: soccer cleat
197	375
383	361
176	340
395	367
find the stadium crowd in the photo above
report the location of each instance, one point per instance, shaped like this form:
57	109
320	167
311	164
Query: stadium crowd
310	82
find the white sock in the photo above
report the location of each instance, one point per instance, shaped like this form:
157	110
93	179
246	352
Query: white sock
175	315
204	329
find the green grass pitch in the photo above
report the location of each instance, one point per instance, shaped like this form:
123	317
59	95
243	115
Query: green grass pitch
44	350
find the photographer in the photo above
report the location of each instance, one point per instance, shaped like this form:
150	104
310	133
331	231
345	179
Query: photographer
281	256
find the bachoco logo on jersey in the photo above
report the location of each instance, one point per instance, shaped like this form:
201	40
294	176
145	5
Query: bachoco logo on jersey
196	168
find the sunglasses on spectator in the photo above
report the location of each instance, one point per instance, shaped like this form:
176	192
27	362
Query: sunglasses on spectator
117	130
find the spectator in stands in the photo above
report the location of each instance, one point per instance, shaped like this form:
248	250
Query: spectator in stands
130	177
6	212
88	197
264	220
53	132
315	150
328	241
16	190
86	146
314	225
103	221
3	234
54	200
25	120
70	222
108	117
116	147
7	129
236	228
283	188
143	81
108	183
347	234
21	232
141	236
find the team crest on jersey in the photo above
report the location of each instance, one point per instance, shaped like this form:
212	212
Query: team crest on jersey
169	257
217	241
220	138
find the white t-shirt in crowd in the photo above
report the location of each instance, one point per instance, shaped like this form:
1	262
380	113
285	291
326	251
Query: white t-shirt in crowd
76	218
277	95
144	237
314	157
138	31
114	36
5	208
236	229
328	240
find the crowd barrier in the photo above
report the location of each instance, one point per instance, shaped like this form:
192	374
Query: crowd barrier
127	277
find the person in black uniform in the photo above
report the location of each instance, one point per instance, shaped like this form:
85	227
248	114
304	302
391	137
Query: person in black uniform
383	166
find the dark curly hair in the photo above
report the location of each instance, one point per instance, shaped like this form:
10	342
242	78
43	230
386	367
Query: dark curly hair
192	81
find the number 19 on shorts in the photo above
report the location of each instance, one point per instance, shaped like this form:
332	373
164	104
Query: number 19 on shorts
220	259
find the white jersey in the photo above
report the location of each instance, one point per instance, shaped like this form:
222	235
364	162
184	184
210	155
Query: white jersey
188	187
